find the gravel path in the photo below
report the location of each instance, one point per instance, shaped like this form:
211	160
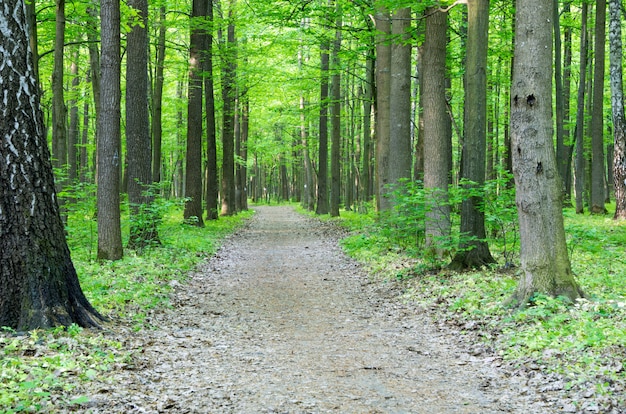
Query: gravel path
281	321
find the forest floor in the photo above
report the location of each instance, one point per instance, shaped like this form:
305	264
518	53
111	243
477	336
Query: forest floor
281	321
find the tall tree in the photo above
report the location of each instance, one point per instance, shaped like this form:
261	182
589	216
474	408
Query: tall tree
400	99
322	166
212	184
383	110
474	250
598	180
229	92
143	226
193	167
157	98
335	121
579	168
437	143
545	265
109	139
39	287
617	105
59	110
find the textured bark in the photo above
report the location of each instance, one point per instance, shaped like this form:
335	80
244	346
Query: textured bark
474	250
566	174
437	144
59	110
617	105
400	102
368	87
212	184
109	139
73	132
598	187
229	68
157	99
545	265
193	166
335	121
322	174
143	220
579	168
561	149
383	97
242	169
39	287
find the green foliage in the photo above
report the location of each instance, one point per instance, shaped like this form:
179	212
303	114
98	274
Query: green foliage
42	371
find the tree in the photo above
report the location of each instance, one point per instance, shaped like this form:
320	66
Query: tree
212	185
335	121
193	170
157	98
39	287
229	91
59	110
437	143
617	105
383	109
109	139
322	174
143	226
598	180
545	264
474	250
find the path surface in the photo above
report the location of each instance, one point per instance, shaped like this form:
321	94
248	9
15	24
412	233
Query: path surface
280	321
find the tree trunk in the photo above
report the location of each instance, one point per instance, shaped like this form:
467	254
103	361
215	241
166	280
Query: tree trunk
59	110
335	121
366	177
383	110
617	105
157	99
193	166
39	287
579	169
143	221
561	149
109	138
545	263
212	185
228	132
437	144
567	87
73	132
473	249
400	101
597	115
322	173
243	152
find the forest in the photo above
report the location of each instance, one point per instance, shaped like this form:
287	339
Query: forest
474	150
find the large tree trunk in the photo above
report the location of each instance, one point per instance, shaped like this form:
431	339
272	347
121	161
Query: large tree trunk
400	101
322	174
474	250
109	138
335	121
617	105
193	166
39	287
143	221
383	97
437	144
212	184
545	263
598	179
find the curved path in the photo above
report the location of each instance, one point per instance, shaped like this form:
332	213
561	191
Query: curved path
280	321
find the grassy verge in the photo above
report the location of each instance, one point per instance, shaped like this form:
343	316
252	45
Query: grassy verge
580	346
39	370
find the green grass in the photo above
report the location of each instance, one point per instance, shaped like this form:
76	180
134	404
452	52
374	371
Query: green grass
40	370
584	342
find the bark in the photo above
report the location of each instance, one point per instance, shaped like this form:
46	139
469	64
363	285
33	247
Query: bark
580	115
383	92
73	132
228	193
39	287
212	185
561	150
567	87
109	139
617	106
143	220
59	110
322	173
545	265
597	115
366	176
473	249
335	150
157	99
400	102
243	152
437	144
193	166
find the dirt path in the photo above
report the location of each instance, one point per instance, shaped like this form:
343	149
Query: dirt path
280	321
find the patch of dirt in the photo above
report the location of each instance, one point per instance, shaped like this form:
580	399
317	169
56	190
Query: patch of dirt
281	321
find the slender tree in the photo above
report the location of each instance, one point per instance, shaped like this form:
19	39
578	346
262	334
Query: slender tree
335	151
474	250
39	287
212	185
579	168
545	265
617	105
322	173
383	109
157	98
598	179
229	91
109	139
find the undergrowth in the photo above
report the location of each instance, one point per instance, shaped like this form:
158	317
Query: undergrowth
40	370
